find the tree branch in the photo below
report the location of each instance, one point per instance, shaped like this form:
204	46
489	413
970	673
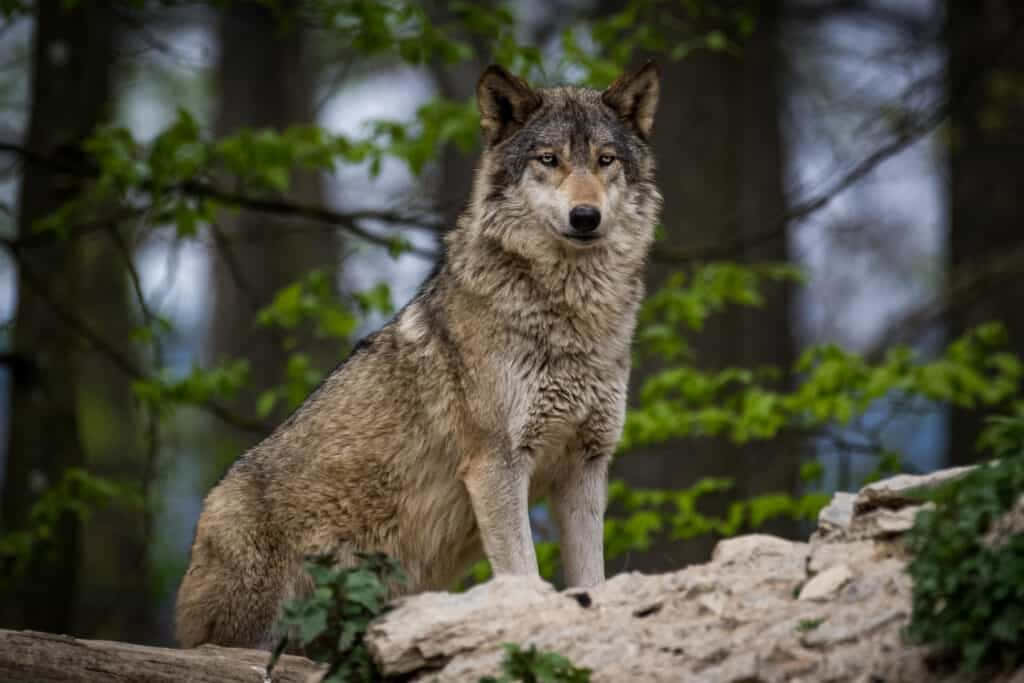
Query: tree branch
348	221
108	350
33	657
963	83
966	287
805	208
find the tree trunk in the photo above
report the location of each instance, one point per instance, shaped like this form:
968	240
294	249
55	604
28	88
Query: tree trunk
71	89
721	164
266	79
986	68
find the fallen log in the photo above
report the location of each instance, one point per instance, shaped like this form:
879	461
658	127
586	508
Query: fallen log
34	657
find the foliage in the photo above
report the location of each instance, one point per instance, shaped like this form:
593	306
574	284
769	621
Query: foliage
78	493
672	29
830	388
533	666
330	624
313	300
1004	434
647	513
968	595
834	385
163	391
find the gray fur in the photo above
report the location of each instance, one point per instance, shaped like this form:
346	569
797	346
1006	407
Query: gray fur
501	382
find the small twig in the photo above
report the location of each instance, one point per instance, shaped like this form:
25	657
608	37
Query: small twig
153	415
223	246
170	273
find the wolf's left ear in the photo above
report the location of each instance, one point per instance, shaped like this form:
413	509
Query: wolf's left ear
505	102
634	97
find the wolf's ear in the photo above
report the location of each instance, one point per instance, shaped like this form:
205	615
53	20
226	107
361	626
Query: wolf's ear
505	102
634	97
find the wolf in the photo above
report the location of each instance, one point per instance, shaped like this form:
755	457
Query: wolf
502	381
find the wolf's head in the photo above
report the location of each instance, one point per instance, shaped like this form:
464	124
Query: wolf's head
566	170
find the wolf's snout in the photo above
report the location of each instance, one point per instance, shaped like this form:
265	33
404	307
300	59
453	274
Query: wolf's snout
584	218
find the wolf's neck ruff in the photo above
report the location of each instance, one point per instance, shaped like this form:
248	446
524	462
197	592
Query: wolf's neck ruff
552	153
576	301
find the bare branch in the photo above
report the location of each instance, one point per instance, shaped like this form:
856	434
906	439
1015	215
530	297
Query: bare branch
348	221
962	85
808	206
234	267
108	350
966	287
153	416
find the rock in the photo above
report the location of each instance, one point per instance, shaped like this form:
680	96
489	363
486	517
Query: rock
732	619
849	625
882	522
839	512
903	489
740	669
825	555
439	623
826	583
764	609
749	548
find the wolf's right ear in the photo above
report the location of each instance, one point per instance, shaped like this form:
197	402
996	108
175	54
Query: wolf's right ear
634	97
505	102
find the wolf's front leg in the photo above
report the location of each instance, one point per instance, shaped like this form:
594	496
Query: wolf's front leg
579	503
499	490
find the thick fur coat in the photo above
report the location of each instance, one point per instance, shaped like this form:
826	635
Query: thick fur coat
503	381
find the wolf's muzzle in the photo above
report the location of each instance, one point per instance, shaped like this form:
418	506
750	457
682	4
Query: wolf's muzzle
584	220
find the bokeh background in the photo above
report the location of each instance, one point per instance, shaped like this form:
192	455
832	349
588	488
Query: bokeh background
204	204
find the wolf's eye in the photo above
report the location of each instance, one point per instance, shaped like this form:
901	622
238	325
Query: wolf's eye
548	159
606	159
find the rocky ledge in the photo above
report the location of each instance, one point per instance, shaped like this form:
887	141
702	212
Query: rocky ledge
763	609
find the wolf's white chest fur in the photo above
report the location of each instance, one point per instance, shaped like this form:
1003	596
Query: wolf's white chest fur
549	404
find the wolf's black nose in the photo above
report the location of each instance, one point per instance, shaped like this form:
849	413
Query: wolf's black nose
584	218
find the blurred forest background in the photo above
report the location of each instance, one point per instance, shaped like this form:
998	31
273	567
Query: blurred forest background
203	205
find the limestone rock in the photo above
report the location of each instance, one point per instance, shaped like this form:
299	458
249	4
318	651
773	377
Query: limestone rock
839	512
826	583
763	609
904	489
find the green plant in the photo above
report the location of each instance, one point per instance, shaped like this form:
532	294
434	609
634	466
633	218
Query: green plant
78	493
329	625
534	666
968	595
807	625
